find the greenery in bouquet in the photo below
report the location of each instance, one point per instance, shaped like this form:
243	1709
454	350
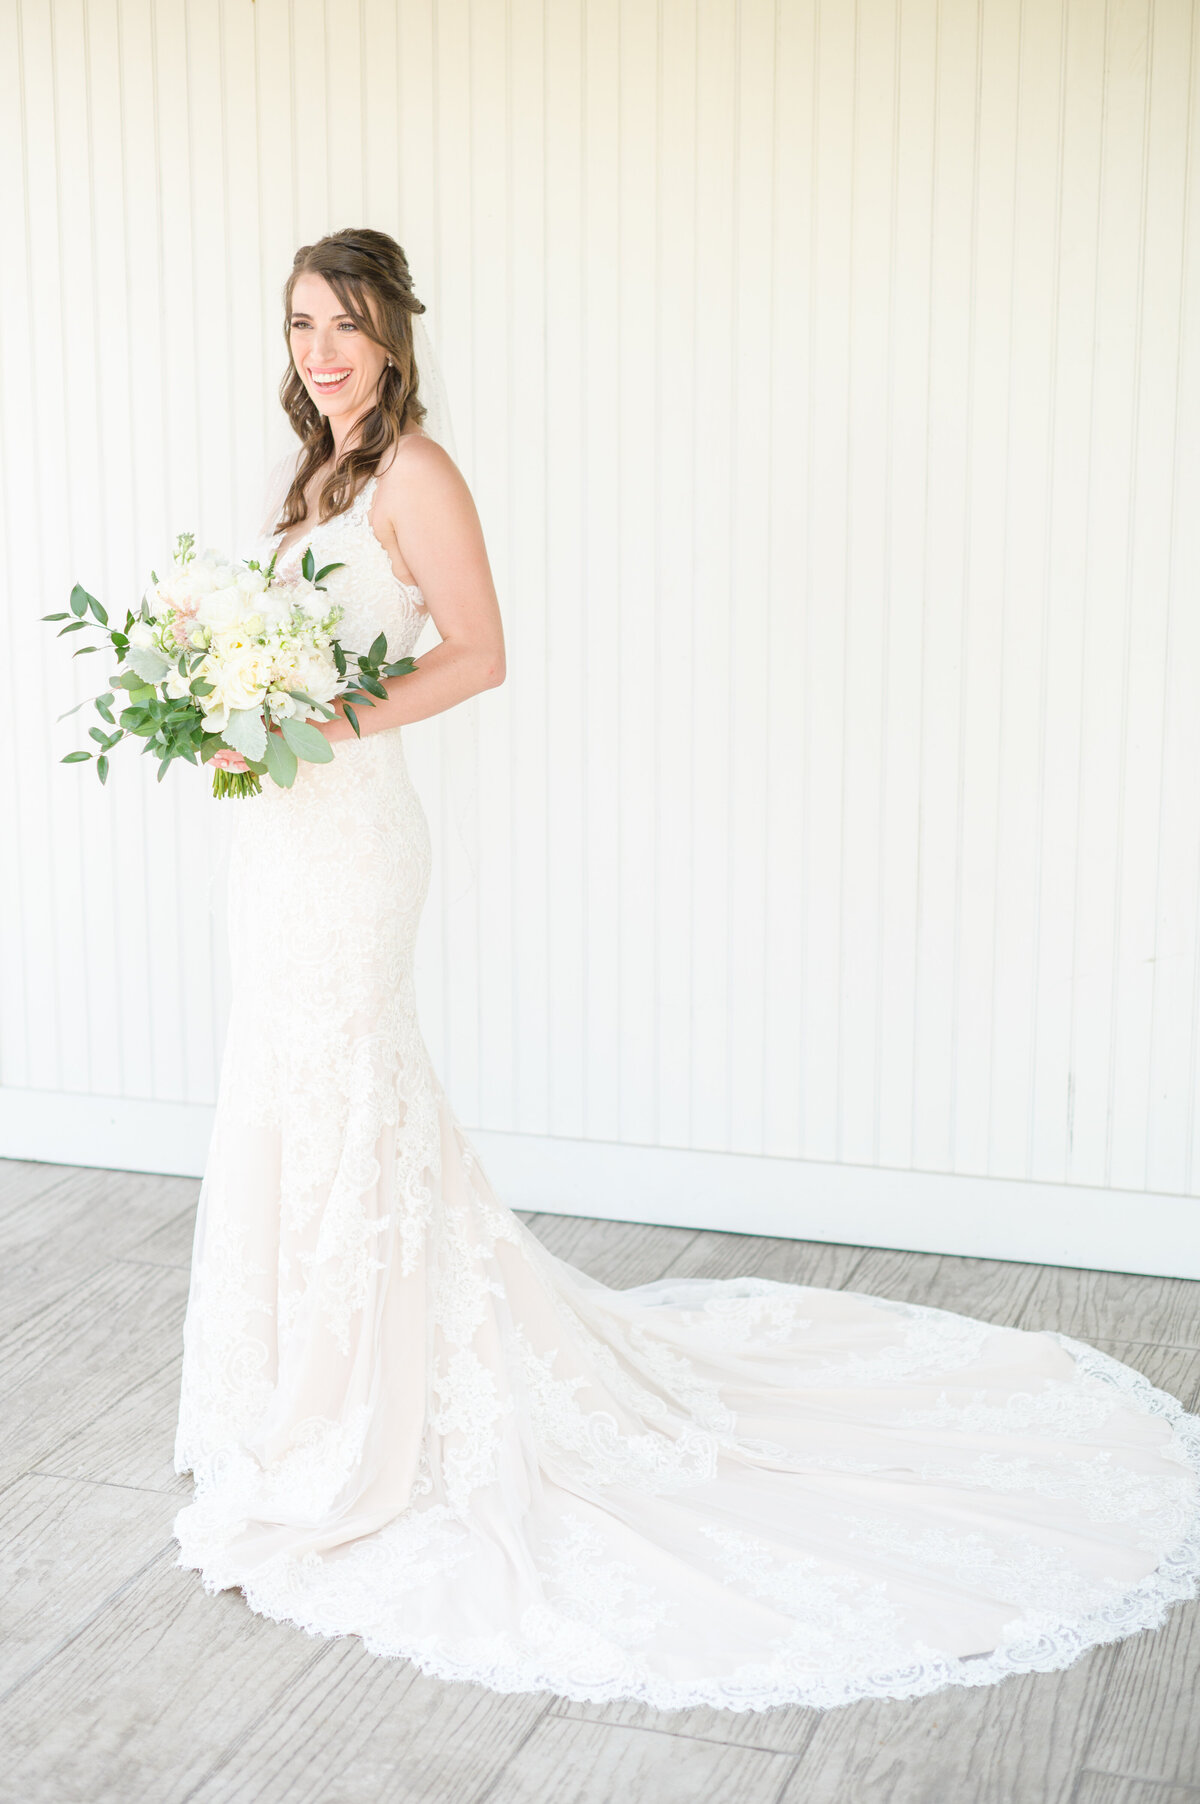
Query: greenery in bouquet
225	657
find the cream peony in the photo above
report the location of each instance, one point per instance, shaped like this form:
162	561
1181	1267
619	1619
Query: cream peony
311	669
224	608
191	582
274	606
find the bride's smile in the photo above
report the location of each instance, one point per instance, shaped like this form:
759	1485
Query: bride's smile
339	364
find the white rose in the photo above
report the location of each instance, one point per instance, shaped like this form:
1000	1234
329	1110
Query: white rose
251	582
281	704
240	680
233	639
142	633
175	685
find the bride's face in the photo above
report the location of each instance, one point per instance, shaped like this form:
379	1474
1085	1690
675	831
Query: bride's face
338	365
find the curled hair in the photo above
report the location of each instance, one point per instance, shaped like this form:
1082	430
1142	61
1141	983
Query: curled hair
369	274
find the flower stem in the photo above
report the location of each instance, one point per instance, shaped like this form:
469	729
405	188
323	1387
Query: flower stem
235	783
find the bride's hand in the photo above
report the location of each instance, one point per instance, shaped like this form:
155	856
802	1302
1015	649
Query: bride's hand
225	759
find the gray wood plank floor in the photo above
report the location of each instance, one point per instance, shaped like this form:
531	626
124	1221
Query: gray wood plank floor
121	1681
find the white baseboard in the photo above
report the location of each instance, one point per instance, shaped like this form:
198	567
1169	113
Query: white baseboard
117	1133
857	1205
928	1212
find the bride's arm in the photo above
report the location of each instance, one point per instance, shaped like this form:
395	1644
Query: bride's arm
425	501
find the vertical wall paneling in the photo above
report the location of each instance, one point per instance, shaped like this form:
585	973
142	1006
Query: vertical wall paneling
828	379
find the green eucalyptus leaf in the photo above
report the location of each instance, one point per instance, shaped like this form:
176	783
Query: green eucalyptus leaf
73	628
56	616
102	767
378	650
351	716
307	564
75	758
307	741
319	578
81	651
78	603
282	763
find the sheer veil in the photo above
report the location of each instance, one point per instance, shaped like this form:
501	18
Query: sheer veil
431	387
458	728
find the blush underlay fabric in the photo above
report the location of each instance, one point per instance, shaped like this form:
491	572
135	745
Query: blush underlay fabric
410	1422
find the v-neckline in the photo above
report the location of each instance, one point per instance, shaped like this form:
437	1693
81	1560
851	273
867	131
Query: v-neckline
282	552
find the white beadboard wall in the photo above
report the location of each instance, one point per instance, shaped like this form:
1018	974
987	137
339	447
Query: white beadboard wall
828	378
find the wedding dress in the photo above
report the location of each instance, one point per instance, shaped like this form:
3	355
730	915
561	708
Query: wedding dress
410	1422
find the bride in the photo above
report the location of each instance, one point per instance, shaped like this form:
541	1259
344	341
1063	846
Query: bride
408	1421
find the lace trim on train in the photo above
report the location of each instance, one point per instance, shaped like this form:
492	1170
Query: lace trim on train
583	1642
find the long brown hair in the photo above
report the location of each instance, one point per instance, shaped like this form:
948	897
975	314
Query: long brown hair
369	274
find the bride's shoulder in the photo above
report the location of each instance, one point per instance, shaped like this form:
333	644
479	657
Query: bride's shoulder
418	470
414	455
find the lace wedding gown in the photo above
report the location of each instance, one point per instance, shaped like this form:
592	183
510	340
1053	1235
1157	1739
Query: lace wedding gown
410	1422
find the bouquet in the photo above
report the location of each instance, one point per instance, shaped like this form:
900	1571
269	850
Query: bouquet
224	657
